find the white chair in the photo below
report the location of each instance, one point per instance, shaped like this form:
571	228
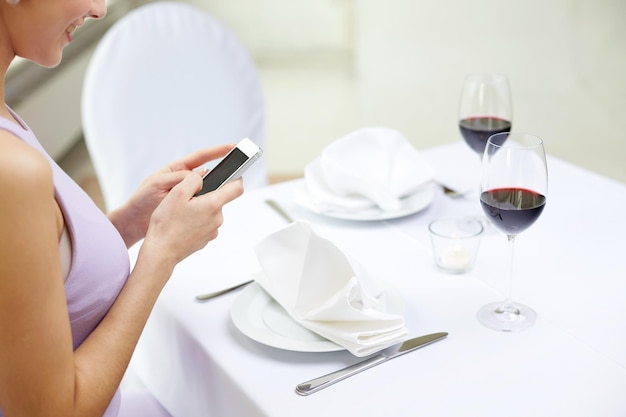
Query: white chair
165	80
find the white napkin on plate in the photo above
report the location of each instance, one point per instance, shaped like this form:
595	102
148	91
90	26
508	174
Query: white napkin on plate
368	167
326	293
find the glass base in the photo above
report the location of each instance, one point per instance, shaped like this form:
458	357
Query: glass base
507	316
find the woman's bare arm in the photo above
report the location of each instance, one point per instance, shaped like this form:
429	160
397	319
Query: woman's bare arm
40	375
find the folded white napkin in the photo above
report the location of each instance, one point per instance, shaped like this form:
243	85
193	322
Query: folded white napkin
368	167
323	291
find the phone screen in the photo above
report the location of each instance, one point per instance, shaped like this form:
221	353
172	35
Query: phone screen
223	171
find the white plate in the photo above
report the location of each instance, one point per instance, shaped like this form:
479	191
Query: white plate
259	317
411	204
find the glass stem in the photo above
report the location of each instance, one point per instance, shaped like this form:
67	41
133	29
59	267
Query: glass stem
507	305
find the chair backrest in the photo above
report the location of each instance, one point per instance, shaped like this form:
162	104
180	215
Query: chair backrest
165	80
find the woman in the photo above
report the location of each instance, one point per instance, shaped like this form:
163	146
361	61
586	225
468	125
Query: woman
71	312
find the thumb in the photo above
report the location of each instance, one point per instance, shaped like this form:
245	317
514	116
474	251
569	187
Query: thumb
170	179
190	185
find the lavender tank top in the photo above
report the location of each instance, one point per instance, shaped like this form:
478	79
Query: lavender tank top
100	262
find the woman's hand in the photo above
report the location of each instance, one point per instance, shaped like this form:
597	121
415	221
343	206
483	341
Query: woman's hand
183	224
133	218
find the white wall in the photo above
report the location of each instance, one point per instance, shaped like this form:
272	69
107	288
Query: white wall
271	27
566	60
331	66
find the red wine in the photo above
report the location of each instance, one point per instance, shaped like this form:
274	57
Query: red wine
512	210
476	130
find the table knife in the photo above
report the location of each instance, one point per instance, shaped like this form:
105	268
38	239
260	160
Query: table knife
314	385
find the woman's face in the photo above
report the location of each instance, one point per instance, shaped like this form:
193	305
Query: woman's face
40	29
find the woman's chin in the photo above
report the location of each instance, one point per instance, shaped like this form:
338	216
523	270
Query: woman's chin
51	61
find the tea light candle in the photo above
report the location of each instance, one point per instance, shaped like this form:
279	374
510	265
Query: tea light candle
455	258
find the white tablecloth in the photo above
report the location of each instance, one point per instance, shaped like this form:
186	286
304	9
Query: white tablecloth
570	267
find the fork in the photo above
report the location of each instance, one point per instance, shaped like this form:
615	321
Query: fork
450	192
205	297
278	209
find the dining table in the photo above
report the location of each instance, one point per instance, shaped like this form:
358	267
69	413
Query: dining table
570	267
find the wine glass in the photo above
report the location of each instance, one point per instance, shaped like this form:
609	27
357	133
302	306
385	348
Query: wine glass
513	190
485	108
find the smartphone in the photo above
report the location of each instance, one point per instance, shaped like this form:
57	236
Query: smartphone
232	166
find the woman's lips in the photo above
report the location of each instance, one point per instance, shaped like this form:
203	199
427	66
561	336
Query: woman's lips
70	31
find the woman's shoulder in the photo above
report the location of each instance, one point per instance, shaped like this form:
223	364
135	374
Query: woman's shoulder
22	168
